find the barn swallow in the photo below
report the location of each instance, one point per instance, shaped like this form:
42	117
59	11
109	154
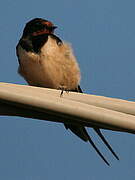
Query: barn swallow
47	61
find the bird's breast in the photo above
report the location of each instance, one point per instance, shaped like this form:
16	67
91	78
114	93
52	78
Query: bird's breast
54	67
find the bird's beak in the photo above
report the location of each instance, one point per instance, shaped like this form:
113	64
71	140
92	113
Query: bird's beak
54	27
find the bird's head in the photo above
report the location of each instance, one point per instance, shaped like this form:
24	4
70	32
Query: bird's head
38	26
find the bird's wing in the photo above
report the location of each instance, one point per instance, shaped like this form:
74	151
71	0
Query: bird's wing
17	52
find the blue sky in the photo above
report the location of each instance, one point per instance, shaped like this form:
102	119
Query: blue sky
102	34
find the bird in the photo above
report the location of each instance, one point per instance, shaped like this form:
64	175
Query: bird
47	61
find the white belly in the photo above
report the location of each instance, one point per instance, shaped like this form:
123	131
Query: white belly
55	67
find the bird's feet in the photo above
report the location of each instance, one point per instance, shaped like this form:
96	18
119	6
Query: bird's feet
63	88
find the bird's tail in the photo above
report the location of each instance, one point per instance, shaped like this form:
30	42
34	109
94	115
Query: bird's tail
81	132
